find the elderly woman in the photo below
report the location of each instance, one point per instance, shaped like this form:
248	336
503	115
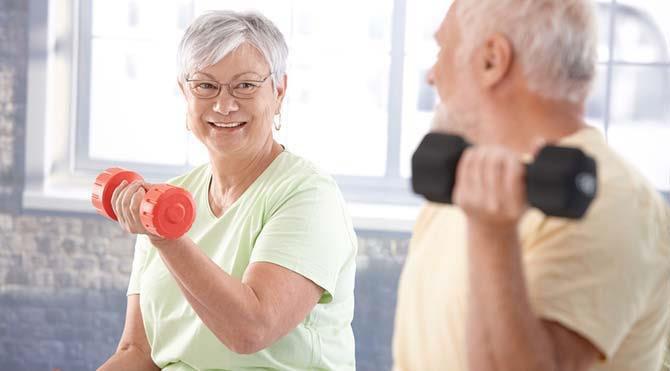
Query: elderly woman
264	279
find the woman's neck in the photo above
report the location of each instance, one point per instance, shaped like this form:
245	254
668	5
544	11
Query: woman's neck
233	174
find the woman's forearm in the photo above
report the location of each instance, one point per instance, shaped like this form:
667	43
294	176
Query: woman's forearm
228	307
129	359
234	335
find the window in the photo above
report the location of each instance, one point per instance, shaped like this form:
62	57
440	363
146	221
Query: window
337	109
357	103
631	99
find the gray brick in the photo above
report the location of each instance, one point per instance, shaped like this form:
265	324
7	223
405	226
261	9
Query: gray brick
52	350
64	279
86	263
6	224
56	315
17	276
28	225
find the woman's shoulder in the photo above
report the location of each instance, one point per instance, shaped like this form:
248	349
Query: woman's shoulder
298	172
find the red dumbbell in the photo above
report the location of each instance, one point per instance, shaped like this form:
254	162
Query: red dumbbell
166	210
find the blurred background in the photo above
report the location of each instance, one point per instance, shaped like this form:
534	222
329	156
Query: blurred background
89	84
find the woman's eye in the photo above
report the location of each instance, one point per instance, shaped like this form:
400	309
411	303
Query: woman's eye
206	85
245	85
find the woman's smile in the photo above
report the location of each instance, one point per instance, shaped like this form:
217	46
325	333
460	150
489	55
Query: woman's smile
227	126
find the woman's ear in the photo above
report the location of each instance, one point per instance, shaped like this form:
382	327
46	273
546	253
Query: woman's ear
281	93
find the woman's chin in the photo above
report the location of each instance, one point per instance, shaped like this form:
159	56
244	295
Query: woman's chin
227	146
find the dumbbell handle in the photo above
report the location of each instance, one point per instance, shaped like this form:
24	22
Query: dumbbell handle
165	210
560	182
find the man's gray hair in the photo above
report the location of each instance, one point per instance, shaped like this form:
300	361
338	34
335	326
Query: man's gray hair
215	34
555	41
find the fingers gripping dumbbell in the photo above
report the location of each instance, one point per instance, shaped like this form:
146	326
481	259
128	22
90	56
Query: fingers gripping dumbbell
560	182
166	210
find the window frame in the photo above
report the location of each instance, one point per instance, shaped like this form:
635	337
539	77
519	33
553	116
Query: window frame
59	172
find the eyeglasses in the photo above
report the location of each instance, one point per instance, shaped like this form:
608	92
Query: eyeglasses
242	88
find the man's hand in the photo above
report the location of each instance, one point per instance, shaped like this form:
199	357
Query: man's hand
490	187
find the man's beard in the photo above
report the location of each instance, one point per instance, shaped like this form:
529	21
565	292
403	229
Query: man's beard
455	122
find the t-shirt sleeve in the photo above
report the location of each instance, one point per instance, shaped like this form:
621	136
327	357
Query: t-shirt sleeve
139	258
310	233
590	275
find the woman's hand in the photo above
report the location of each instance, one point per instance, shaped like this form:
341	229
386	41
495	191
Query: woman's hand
126	201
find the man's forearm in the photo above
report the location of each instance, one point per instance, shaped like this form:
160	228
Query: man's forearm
478	342
500	307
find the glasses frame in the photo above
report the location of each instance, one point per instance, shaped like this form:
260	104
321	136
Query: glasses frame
228	85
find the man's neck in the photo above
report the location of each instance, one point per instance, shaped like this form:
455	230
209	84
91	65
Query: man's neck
524	125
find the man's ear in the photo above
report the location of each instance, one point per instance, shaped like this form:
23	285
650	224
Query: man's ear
494	60
281	93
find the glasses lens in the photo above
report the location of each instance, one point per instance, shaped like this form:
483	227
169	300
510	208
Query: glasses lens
244	88
204	89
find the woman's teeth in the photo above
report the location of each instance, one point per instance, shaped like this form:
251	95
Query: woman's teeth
227	125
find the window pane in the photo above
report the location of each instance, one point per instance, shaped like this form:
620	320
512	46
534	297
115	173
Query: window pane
337	112
136	112
139	19
595	105
640	120
422	21
642	31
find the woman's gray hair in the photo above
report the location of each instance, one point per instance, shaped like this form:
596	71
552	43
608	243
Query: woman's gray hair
215	34
556	41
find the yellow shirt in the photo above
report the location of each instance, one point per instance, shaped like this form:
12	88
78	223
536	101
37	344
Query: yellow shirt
606	277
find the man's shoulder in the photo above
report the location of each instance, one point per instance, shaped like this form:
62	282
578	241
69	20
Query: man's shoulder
622	188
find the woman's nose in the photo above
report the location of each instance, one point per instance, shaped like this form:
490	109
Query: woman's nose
225	103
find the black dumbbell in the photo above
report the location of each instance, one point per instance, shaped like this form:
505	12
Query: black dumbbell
560	182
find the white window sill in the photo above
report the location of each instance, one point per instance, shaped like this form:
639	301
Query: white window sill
73	196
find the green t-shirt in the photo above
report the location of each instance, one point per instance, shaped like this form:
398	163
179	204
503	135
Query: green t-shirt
293	216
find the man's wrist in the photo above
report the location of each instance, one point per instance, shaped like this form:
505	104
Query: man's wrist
488	234
493	230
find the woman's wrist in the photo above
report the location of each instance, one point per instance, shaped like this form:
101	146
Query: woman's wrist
161	242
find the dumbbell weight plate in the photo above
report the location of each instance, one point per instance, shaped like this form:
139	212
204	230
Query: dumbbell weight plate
105	184
167	211
434	166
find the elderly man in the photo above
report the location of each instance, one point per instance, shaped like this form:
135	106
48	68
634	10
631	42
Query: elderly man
493	285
